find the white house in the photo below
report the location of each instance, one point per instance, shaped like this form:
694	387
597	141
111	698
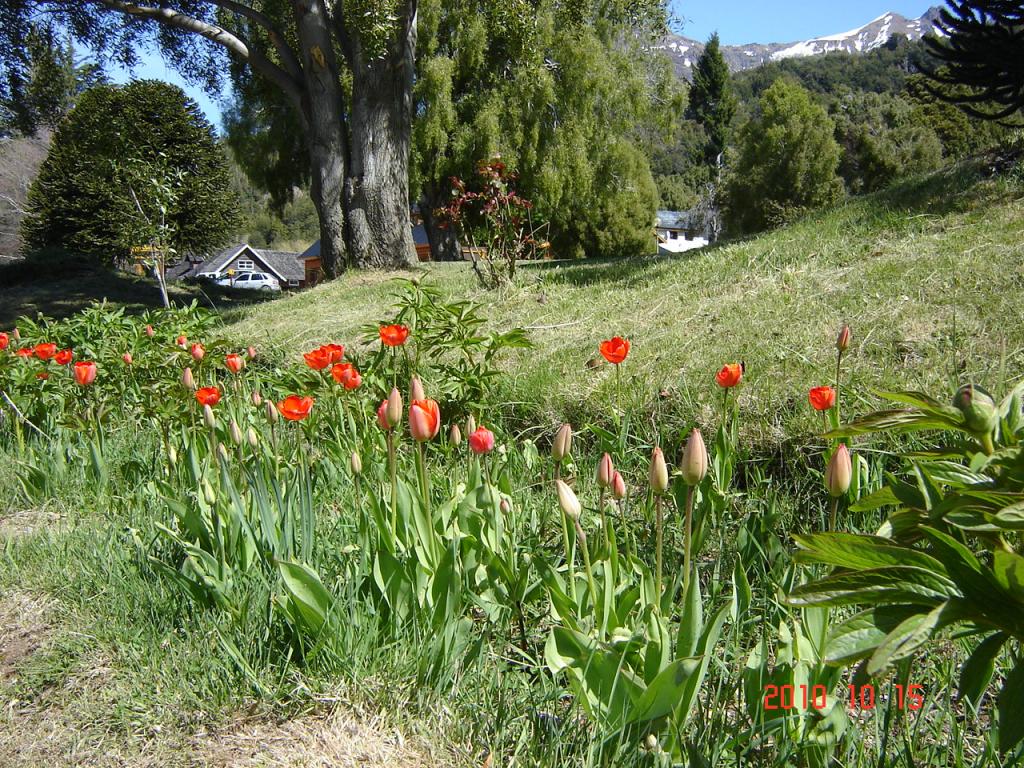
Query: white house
679	231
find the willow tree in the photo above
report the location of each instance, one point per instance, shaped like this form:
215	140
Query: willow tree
345	69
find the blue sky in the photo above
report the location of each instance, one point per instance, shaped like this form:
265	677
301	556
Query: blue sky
737	22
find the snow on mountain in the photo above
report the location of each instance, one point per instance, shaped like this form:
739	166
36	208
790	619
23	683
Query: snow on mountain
685	51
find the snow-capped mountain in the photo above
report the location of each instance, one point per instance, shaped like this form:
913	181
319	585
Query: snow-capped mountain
685	51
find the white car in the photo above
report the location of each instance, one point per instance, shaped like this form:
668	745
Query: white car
255	281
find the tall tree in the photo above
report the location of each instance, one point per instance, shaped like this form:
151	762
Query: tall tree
712	103
127	161
345	68
981	58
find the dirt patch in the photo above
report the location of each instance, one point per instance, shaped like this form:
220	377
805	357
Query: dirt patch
23	629
23	522
335	740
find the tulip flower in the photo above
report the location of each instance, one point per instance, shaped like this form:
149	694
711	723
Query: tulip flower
85	373
234	363
295	408
207	396
150	332
63	357
24	352
127	357
393	335
424	419
182	341
187	380
822	398
481	441
394	408
615	349
838	475
45	351
337	351
42	375
197	351
4	341
318	359
346	375
729	376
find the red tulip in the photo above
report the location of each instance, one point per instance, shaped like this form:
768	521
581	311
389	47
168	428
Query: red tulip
24	352
481	441
382	415
730	375
4	341
43	375
424	419
318	359
615	349
182	341
150	332
393	335
63	357
337	351
295	408
85	373
198	352
45	351
208	396
346	375
127	357
822	398
234	363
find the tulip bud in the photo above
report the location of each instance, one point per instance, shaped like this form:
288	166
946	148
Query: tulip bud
208	417
127	357
393	412
150	332
222	452
843	339
235	432
251	351
618	487
658	474
839	472
978	408
16	334
470	424
172	454
650	742
695	459
208	493
416	389
257	398
186	379
605	470
356	464
455	436
562	446
505	506
271	412
254	439
197	352
567	500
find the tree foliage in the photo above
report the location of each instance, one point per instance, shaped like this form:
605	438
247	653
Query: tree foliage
96	177
712	103
979	54
786	161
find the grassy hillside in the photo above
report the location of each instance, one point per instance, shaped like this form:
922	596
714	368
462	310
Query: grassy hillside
928	275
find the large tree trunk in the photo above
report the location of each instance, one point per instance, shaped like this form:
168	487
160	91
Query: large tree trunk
377	187
444	245
323	112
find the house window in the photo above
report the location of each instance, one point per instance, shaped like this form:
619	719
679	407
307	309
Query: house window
673	235
293	283
246	265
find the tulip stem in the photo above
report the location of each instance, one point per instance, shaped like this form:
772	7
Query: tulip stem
424	481
688	540
604	521
394	483
658	524
582	536
832	514
839	361
569	558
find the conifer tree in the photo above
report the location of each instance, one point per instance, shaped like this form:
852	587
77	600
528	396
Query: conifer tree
712	102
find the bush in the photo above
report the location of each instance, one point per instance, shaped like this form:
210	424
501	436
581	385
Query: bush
786	161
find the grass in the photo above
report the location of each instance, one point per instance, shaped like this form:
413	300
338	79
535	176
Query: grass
125	672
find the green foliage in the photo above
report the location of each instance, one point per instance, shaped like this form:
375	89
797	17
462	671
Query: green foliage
946	557
883	139
712	103
82	201
785	163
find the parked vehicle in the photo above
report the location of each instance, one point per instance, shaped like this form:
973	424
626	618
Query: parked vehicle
256	281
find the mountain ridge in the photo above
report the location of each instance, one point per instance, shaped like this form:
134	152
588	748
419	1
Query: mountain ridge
684	51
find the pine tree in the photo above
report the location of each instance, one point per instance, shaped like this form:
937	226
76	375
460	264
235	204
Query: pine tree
980	57
712	102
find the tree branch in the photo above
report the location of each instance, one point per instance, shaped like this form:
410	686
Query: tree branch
290	61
